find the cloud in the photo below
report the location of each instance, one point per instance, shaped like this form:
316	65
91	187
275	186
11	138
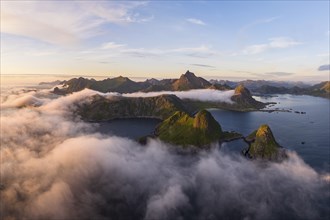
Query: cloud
279	73
195	94
274	43
195	21
63	103
202	65
325	67
111	45
115	12
122	49
65	23
55	166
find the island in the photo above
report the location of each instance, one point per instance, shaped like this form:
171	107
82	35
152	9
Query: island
200	130
262	145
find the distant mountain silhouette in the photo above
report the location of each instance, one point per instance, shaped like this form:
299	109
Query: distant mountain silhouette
189	81
243	98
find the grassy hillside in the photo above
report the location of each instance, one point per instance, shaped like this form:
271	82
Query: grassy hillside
181	129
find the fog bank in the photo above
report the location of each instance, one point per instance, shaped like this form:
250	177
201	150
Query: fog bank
54	166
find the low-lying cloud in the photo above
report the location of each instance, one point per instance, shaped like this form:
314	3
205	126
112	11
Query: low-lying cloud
54	166
324	67
33	99
279	73
195	94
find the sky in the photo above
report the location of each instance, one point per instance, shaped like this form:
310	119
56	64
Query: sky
273	40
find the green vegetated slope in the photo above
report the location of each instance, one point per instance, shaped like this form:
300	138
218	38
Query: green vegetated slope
263	145
201	130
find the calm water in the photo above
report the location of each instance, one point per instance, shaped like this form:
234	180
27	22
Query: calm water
290	129
131	128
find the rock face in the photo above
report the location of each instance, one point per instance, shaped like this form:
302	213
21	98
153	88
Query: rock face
100	108
243	98
189	81
181	129
263	145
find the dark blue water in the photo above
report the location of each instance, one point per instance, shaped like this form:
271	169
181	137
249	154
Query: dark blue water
291	130
131	128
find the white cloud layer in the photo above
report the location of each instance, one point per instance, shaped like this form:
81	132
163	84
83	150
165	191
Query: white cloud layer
195	94
33	99
54	166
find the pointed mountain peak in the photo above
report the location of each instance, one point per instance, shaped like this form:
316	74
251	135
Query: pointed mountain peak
189	74
204	120
182	129
264	144
241	90
265	132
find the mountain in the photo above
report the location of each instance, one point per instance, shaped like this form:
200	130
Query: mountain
118	84
101	108
181	129
220	87
263	145
267	89
243	98
325	86
121	84
189	81
252	85
322	90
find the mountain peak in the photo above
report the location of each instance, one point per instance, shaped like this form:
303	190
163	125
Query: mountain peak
189	81
264	131
184	130
263	144
242	96
241	90
205	121
189	74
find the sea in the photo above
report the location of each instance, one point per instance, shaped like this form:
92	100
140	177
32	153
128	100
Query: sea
307	133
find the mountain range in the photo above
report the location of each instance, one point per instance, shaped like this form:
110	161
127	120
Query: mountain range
121	84
189	81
